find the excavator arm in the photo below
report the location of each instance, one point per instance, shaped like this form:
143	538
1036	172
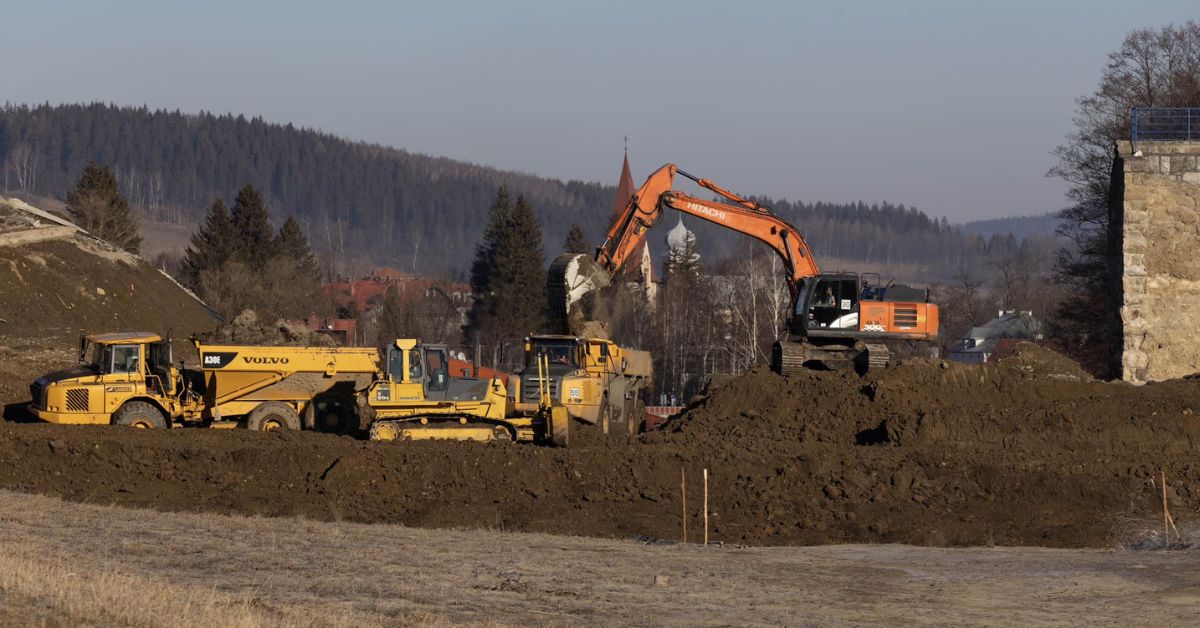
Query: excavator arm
745	216
573	277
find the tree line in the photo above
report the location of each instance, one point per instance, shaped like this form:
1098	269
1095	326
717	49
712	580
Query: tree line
364	205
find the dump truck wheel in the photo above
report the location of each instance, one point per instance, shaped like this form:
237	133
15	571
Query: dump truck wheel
273	416
332	415
635	419
141	415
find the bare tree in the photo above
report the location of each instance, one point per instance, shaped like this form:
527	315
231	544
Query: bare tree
1152	68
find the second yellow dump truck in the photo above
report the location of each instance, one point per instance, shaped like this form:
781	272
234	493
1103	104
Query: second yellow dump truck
598	382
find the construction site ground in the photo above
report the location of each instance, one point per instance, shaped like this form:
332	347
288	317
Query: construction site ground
1029	451
1025	452
70	564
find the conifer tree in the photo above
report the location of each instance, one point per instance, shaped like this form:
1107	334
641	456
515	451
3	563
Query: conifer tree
97	206
396	318
255	241
509	276
212	245
483	310
521	272
683	263
576	241
292	243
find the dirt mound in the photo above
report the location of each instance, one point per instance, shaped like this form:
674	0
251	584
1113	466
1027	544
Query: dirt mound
52	291
246	328
1022	452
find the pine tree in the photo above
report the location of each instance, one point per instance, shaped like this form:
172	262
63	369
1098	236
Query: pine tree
683	263
97	206
521	274
509	276
576	241
292	243
212	245
396	318
255	238
483	310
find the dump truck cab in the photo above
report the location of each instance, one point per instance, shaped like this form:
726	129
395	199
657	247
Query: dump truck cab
596	380
115	370
418	398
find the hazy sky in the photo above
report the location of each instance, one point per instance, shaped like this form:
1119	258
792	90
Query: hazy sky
952	106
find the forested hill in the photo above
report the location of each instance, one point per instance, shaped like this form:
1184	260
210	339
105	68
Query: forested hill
371	204
390	204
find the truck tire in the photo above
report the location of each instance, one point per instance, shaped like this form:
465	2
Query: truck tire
636	419
332	415
273	416
139	414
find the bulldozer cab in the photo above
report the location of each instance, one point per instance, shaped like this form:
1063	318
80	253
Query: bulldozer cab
422	371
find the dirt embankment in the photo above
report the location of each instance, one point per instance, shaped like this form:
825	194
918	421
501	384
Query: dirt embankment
53	290
1025	452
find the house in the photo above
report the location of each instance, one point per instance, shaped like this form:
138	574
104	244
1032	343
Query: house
981	342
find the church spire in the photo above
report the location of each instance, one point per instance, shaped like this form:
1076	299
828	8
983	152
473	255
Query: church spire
624	185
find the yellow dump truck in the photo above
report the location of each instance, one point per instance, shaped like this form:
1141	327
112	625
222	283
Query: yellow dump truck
130	379
597	381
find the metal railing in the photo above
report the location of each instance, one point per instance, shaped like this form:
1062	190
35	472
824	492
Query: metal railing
1165	124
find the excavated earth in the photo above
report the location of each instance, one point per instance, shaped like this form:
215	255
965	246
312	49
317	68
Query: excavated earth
55	289
1027	451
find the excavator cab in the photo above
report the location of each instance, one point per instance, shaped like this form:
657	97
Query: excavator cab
829	303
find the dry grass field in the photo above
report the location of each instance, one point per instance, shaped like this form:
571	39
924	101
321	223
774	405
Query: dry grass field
66	564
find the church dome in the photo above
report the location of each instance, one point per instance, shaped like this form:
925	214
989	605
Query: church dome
678	236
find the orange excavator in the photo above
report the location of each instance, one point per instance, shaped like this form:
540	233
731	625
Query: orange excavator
837	320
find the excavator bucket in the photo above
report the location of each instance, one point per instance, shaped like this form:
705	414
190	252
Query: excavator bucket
572	282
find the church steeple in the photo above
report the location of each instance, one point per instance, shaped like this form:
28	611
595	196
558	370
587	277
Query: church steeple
624	185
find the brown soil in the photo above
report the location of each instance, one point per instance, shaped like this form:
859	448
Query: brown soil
247	328
1025	452
52	292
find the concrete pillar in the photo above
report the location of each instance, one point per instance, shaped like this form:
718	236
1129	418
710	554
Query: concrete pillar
1155	241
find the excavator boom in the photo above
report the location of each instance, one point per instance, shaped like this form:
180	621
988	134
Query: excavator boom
574	277
838	318
629	229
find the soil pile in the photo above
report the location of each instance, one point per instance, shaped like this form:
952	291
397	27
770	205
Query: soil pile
1028	451
53	291
246	328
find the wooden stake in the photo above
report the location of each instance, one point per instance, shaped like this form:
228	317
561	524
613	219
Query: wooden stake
706	505
1166	513
683	489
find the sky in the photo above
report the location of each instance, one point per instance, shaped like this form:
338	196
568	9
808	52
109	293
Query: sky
950	106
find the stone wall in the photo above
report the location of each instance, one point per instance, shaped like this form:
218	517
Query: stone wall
1156	233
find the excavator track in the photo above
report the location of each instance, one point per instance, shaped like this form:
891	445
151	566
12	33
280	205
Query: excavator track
878	356
788	358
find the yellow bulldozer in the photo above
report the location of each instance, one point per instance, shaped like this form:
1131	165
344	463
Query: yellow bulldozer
418	399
